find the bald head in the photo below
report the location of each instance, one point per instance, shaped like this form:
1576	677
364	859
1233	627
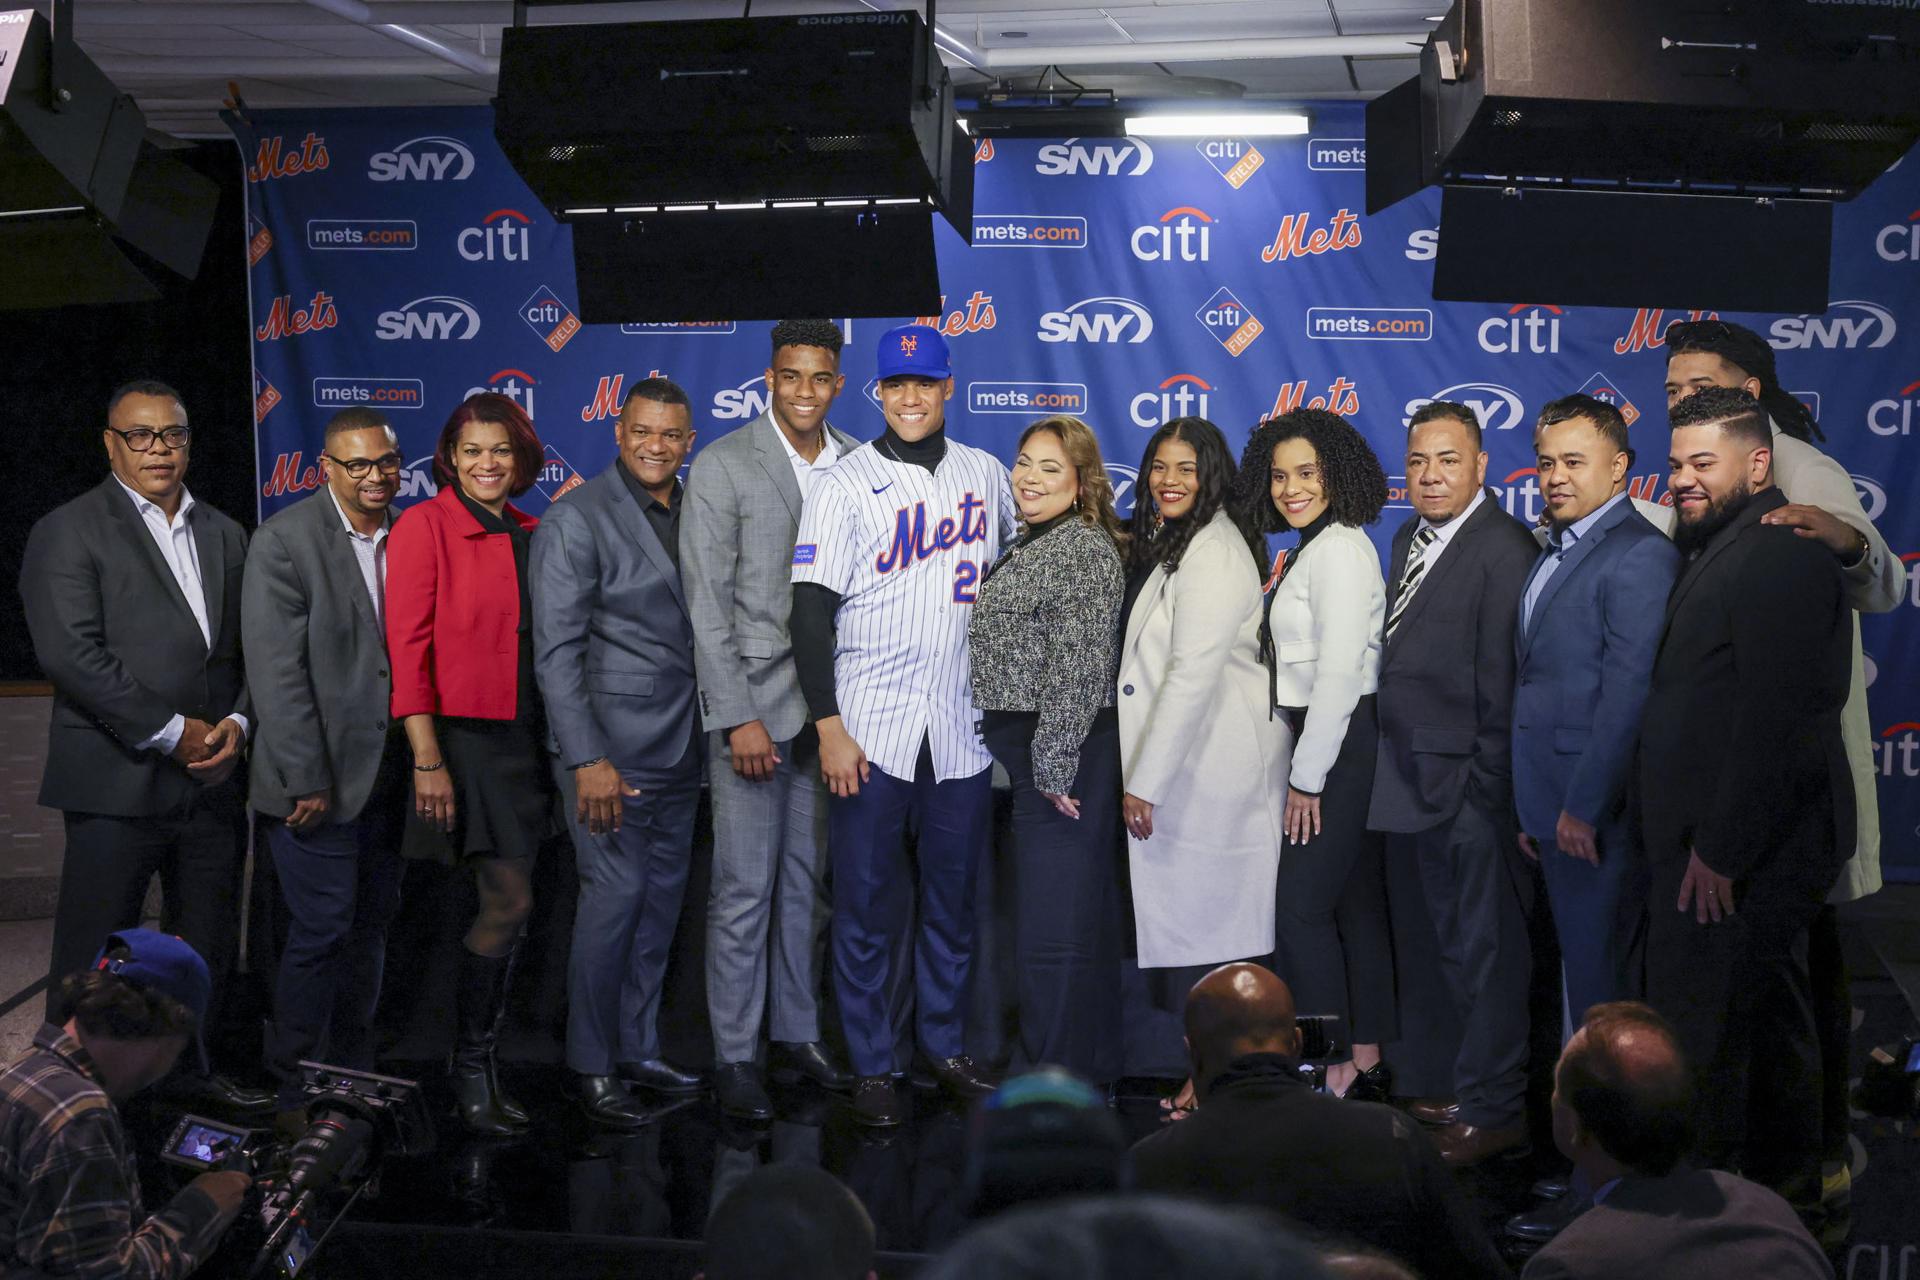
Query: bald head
1236	1010
1623	1080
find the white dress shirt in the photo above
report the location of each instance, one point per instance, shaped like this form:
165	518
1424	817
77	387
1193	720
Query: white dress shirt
182	556
1443	533
804	471
371	552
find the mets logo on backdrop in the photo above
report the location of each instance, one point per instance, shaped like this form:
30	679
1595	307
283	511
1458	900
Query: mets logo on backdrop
1228	320
259	240
1234	159
264	396
273	160
286	320
549	317
1601	388
1293	240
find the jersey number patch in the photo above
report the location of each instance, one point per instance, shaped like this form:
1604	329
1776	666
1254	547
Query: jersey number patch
966	579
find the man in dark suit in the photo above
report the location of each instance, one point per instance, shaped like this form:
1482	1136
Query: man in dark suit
1442	786
1262	1136
329	768
613	650
1745	799
1622	1104
132	596
1589	621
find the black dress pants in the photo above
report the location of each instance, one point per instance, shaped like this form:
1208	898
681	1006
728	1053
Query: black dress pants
1066	888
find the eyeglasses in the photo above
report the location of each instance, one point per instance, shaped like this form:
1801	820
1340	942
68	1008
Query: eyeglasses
141	439
358	467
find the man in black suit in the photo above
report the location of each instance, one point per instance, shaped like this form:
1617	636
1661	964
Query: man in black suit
1262	1136
132	596
1622	1104
1443	786
330	767
1745	798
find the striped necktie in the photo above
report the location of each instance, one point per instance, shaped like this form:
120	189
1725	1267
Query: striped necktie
1410	577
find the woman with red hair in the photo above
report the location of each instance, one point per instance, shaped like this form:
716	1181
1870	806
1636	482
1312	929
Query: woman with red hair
458	636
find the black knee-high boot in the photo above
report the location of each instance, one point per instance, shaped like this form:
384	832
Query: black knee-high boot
482	1001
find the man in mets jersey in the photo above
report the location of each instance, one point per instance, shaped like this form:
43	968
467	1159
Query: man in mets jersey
894	539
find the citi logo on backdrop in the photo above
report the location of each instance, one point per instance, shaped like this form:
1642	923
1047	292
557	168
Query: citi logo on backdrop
502	236
1182	234
434	318
1105	319
1528	328
1897	750
433	158
515	384
1848	325
1896	415
1498	408
380	234
1184	395
1900	241
1127	157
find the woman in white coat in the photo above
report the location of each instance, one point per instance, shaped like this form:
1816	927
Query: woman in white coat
1203	764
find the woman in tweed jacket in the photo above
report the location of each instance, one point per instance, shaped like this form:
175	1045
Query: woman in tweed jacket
1043	638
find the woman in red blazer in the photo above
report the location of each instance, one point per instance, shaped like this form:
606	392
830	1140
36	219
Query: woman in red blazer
458	635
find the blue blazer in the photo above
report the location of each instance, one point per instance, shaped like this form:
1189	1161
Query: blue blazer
1584	660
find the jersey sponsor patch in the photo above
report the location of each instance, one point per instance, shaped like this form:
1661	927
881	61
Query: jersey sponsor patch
804	552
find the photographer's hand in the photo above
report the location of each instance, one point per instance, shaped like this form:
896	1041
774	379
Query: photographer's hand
227	1188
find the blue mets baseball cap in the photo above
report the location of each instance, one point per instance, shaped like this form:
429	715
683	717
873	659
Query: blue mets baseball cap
161	962
916	350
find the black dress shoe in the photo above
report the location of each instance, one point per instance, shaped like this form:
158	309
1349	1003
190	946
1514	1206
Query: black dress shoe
219	1092
736	1087
877	1103
606	1101
1439	1112
1543	1222
659	1075
788	1062
963	1078
1375	1084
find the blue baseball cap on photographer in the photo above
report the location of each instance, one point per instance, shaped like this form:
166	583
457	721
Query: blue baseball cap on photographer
161	962
914	350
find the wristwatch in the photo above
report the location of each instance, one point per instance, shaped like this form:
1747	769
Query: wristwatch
587	764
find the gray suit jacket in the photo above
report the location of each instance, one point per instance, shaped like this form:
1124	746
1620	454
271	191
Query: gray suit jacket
612	642
120	645
318	662
737	533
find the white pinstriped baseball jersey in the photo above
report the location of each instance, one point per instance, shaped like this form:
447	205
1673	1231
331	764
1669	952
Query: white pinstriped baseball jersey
906	550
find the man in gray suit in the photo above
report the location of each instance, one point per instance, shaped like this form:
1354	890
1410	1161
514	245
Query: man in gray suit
330	768
769	804
613	652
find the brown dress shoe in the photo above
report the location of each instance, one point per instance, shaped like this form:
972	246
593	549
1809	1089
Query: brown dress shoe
1438	1112
1462	1145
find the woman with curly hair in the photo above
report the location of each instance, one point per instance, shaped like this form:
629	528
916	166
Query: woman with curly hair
1203	764
1310	472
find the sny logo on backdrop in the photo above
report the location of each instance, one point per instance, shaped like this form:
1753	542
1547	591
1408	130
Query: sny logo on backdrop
1609	393
1181	235
515	384
1900	242
1028	231
1872	495
977	316
550	318
1337	155
1423	245
1895	416
1184	395
501	236
1122	478
435	317
1129	157
737	404
1234	159
285	320
1498	408
1521	334
1027	398
388	393
607	397
387	235
1379	324
1098	320
1647	331
1293	240
429	159
1865	324
273	161
1228	320
1342	397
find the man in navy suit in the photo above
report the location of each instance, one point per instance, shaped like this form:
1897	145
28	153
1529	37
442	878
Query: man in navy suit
613	649
1589	623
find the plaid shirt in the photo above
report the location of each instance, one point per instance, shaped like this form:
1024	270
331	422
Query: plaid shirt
69	1192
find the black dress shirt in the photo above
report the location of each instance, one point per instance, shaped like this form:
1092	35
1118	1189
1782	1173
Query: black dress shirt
664	518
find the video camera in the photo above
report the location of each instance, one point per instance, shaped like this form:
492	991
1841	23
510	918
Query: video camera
303	1186
1890	1081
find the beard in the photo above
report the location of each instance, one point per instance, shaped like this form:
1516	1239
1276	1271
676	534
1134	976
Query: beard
1692	535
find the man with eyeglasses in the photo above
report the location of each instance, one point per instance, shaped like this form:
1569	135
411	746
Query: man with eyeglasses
330	768
132	596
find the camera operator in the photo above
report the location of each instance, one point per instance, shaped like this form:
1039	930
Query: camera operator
1261	1136
69	1190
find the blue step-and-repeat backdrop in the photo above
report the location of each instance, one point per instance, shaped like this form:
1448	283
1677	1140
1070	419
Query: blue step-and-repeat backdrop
399	262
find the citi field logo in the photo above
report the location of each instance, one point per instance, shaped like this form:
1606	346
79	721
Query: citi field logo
1900	242
737	404
1124	479
1377	324
550	319
1895	415
611	393
1423	245
1183	234
1498	408
1647	331
1896	751
284	320
1028	399
388	235
1234	159
976	317
1848	326
1607	392
433	158
1872	495
387	393
1105	319
502	236
1028	231
1130	158
1337	155
1293	240
265	396
437	317
273	160
557	476
515	384
1232	325
1342	396
1528	328
1184	395
259	240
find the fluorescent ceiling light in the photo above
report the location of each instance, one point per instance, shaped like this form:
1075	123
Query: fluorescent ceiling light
1266	124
